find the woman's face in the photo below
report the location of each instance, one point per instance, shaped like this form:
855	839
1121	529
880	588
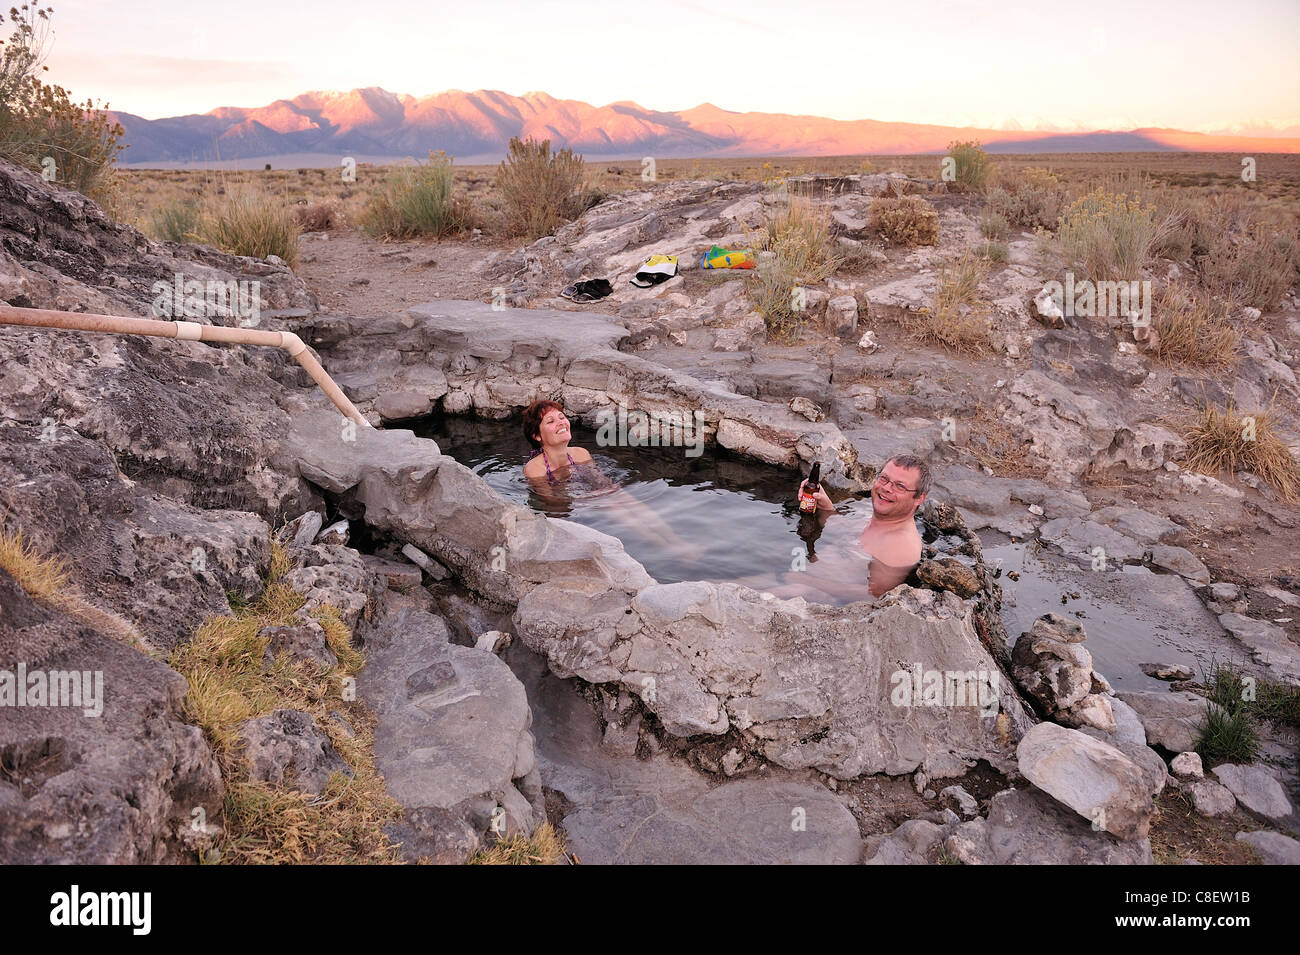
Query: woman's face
554	427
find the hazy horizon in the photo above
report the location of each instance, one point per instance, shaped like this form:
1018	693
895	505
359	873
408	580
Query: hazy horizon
1023	68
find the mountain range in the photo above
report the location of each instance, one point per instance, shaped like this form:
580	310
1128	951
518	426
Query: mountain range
477	126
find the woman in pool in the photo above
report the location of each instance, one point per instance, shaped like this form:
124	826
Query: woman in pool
554	461
547	428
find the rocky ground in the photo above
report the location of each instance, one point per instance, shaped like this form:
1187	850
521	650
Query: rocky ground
682	722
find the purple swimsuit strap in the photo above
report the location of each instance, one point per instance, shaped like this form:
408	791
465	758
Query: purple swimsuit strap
547	462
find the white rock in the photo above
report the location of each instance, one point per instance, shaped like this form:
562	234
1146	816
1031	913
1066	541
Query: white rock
1187	766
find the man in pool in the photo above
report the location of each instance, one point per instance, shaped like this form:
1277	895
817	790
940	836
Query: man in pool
890	540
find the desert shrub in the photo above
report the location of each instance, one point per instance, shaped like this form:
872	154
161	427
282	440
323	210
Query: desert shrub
1225	439
994	226
996	251
179	220
798	236
41	127
1108	235
316	216
972	165
1255	269
541	190
1028	198
417	200
906	221
252	224
1193	329
956	322
855	261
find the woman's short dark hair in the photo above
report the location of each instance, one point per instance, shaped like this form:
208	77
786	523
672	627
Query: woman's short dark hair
533	416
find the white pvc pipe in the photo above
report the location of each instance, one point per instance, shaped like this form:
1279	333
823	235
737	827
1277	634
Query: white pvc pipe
187	331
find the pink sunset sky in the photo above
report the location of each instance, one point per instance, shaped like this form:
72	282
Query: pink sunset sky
1107	64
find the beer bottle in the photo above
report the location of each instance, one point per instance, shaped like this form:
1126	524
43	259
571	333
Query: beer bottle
808	496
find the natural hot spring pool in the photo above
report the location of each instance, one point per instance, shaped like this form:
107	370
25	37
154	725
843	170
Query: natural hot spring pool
731	519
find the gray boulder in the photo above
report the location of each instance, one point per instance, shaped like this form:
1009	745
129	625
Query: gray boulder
286	748
1276	848
1210	798
1028	827
452	740
1255	788
706	658
133	784
1051	665
1171	720
1092	778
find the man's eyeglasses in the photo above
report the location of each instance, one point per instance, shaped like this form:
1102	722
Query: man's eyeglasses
894	484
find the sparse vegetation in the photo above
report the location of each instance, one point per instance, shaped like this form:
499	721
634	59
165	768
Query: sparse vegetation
417	200
1193	329
48	581
229	682
540	190
1028	198
972	165
996	251
956	322
798	235
1108	235
994	226
41	128
253	224
906	221
1226	440
544	847
180	220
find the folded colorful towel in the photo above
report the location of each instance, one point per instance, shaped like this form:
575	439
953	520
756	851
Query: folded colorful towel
720	258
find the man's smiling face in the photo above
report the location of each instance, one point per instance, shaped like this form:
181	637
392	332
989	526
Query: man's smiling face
893	495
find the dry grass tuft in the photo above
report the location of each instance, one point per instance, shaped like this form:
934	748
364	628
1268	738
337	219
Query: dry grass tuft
957	321
1194	329
417	200
544	847
48	580
252	224
1224	439
1003	450
230	683
316	216
798	234
1256	268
